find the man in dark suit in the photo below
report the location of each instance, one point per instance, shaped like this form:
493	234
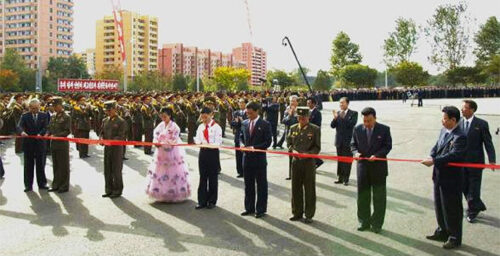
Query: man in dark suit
256	135
271	108
238	117
315	118
478	135
344	122
448	180
371	140
34	123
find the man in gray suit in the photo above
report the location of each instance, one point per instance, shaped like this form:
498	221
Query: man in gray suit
478	136
371	140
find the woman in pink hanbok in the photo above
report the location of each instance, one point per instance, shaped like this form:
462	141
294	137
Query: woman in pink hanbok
168	173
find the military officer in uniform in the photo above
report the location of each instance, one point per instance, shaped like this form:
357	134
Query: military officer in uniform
304	137
148	122
135	112
60	126
113	128
81	114
17	112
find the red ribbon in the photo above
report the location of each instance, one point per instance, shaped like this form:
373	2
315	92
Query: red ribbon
344	159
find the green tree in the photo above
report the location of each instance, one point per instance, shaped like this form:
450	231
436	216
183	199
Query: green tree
284	79
344	52
488	40
409	74
15	62
297	77
380	81
179	82
60	67
465	76
492	69
401	43
358	75
323	81
229	78
9	81
192	85
449	35
149	81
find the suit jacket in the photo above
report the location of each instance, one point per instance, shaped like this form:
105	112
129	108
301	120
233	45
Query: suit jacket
478	135
27	124
453	149
272	112
236	124
315	117
380	146
261	138
344	127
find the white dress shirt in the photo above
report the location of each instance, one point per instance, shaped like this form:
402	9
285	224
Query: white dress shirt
214	134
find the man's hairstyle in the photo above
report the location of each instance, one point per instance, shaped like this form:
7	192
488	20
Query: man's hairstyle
293	97
253	106
206	110
472	104
346	99
34	101
452	112
312	99
369	111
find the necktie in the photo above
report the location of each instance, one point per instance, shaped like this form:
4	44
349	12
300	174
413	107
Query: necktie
251	127
445	138
205	133
369	135
466	126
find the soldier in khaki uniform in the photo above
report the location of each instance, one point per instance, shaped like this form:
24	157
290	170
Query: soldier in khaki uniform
113	128
148	122
17	109
60	126
82	113
304	137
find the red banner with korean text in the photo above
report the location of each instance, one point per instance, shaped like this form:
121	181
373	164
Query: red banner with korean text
85	85
117	14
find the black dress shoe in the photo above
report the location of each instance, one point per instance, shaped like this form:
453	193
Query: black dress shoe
451	244
246	213
106	195
125	158
260	215
346	183
295	218
115	195
43	188
200	207
376	230
239	176
53	189
28	190
338	182
308	221
363	227
210	206
472	217
437	237
288	178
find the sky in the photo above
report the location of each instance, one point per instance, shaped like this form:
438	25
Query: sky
311	25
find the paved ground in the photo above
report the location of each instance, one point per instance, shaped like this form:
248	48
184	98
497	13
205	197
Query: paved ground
82	223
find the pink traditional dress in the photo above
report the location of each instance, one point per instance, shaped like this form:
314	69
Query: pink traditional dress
168	173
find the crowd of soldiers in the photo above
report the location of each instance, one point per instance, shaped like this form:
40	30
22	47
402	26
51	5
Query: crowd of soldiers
141	111
414	93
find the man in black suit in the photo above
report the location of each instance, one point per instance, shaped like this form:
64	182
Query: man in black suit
344	121
238	117
34	123
271	108
371	140
448	180
478	135
315	118
256	135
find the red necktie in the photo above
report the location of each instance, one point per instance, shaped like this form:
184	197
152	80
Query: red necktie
251	127
205	133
